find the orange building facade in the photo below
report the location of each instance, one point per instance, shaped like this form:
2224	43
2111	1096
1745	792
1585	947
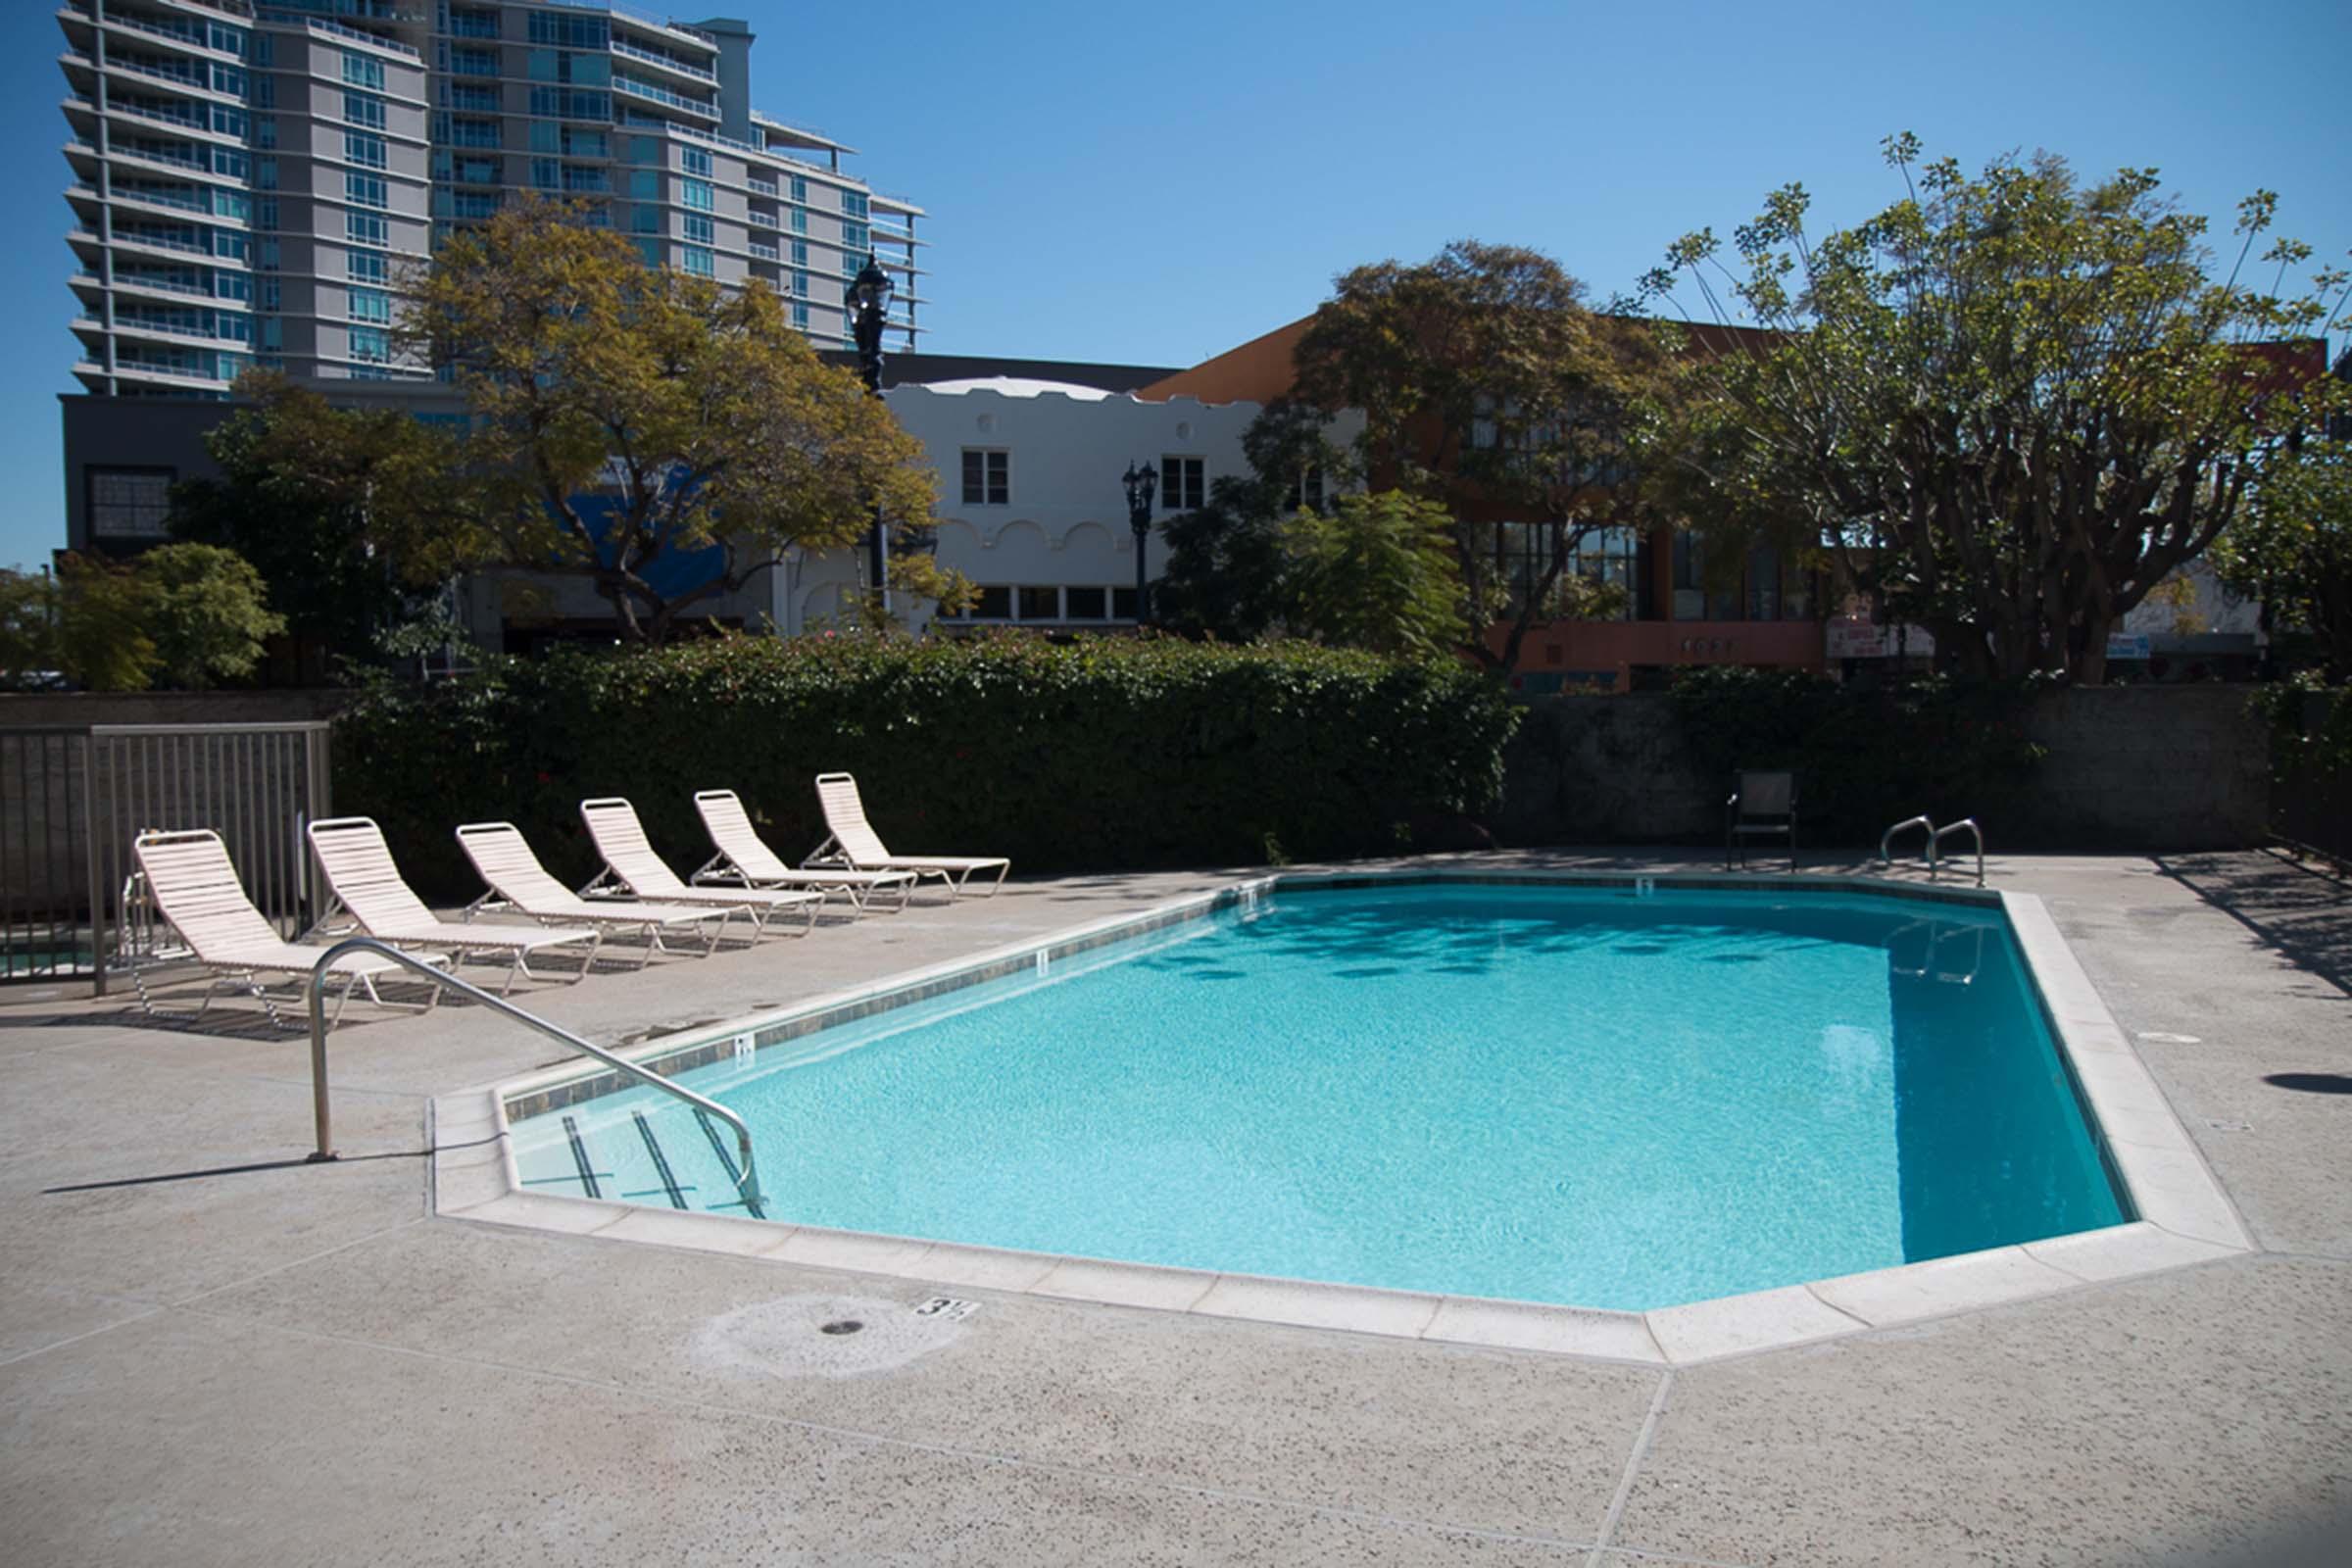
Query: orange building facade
1678	614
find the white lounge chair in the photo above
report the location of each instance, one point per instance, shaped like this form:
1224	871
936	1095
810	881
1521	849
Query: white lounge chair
504	857
194	884
360	873
856	845
744	856
630	860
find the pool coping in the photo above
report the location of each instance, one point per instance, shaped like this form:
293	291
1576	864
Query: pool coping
2178	1215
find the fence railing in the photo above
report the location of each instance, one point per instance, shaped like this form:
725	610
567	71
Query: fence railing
73	796
2310	799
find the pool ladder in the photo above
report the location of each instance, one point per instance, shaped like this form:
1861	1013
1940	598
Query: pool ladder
1935	837
746	1177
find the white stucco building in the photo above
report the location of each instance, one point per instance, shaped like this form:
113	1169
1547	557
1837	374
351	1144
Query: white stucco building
1032	509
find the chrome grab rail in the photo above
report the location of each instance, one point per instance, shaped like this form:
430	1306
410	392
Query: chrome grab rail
1887	839
748	1184
1974	831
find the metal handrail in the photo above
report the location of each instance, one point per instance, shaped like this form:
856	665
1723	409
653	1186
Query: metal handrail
1887	839
1974	831
748	1184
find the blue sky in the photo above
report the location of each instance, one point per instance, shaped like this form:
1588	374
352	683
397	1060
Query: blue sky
1158	185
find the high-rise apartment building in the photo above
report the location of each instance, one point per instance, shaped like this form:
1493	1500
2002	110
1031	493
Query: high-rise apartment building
250	176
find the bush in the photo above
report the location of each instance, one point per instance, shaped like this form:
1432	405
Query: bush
1865	756
1093	756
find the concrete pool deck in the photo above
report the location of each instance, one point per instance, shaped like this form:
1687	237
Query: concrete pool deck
211	1353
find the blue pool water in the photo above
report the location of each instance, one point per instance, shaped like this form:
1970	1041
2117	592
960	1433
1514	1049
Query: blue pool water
1545	1092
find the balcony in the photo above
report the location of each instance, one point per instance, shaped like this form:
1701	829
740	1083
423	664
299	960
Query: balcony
185	124
665	62
172	36
661	95
195	79
95	374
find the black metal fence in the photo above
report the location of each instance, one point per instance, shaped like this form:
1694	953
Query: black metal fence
2311	800
73	796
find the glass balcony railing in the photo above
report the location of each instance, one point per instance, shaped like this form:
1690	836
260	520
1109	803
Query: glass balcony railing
655	58
660	95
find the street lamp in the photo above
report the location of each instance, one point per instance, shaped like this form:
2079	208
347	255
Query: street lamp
868	300
1141	480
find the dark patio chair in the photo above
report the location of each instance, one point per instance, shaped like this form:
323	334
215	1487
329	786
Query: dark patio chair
1762	806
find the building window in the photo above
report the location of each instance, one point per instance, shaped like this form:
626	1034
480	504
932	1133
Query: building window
371	345
367	228
1087	604
854	205
361	110
800	253
987	477
799	189
1122	603
570	32
854	237
698	261
1182	483
800	316
1040	604
700	228
360	70
369	305
1310	488
694	161
365	190
698	195
365	266
477	98
992	604
561	103
364	150
800	285
469	63
800	221
130	503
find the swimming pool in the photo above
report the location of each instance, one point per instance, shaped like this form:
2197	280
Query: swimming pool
1557	1094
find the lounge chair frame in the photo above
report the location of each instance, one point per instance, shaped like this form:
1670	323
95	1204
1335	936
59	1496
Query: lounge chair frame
620	835
650	920
744	857
853	844
356	845
231	975
1763	805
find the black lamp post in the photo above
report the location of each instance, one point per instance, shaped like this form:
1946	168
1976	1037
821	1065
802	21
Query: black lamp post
1141	479
869	299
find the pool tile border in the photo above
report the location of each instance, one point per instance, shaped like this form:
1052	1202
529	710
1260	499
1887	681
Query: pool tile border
2177	1213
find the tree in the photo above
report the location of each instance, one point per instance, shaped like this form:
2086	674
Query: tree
191	614
1486	385
2008	406
618	414
208	614
1227	571
292	498
1376	572
28	626
2292	549
102	637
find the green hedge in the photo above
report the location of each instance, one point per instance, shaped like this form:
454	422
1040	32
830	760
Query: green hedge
1865	756
1091	756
